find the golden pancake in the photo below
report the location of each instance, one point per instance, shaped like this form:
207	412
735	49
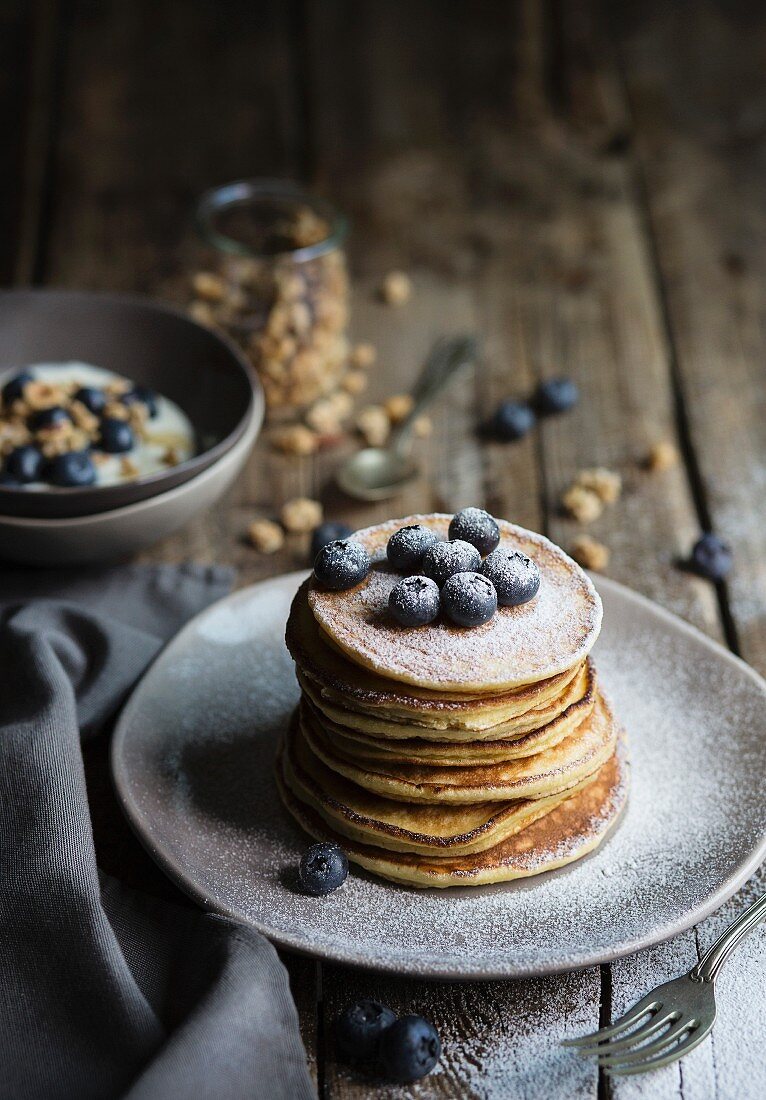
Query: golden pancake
537	776
437	831
522	645
345	684
416	750
532	732
568	832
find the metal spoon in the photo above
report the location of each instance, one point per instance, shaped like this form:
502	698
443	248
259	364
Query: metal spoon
379	472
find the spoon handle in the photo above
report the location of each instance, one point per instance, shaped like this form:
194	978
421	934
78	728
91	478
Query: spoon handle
447	357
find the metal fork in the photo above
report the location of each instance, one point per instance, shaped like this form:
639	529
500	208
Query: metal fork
680	1014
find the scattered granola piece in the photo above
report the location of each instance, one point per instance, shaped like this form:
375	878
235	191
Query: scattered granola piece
422	427
301	514
590	553
372	421
323	418
606	484
43	395
128	468
266	536
83	417
363	356
354	382
171	457
296	439
582	504
398	407
203	314
209	286
662	456
396	288
116	410
342	403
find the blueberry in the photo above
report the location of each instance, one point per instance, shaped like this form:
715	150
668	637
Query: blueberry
359	1028
328	532
515	576
53	417
341	564
711	557
14	387
446	558
556	395
511	421
145	396
476	526
92	398
409	1049
116	436
407	547
323	868
414	601
25	464
72	469
469	599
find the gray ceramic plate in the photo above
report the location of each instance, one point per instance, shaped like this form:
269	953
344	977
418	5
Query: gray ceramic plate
192	759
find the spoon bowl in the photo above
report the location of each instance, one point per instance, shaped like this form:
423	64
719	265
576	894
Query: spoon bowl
375	473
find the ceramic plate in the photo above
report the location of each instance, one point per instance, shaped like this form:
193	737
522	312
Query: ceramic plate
193	755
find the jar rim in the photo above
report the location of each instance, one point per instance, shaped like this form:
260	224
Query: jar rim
239	192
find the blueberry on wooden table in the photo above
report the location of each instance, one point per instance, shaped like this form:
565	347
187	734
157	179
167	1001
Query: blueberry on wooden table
711	557
512	420
359	1028
329	531
476	526
341	564
92	398
444	559
414	601
408	546
25	464
322	869
72	469
469	599
53	417
116	436
14	387
556	395
515	576
409	1049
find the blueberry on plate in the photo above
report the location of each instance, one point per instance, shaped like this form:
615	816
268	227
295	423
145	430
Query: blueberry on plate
53	417
72	469
116	436
512	421
92	398
476	526
341	564
469	599
145	396
359	1028
14	387
322	869
515	576
25	464
556	395
414	601
446	558
408	546
409	1049
711	557
329	531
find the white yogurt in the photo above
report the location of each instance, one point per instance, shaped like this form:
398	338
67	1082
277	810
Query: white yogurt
169	429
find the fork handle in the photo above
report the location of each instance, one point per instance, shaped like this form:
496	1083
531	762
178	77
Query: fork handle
711	962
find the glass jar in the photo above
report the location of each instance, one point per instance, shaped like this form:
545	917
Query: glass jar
279	286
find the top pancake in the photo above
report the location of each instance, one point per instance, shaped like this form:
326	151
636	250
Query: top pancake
519	645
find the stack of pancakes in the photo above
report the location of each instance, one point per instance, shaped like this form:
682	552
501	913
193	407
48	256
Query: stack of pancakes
439	755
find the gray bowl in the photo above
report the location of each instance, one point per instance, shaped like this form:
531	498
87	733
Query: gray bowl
153	345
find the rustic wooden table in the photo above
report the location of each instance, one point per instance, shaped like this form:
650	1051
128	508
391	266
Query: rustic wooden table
585	190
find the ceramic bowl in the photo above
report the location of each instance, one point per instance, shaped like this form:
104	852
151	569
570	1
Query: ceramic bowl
108	536
153	345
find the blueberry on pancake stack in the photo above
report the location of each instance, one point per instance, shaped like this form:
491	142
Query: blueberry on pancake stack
451	729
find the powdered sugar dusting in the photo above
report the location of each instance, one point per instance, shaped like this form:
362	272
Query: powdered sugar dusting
194	759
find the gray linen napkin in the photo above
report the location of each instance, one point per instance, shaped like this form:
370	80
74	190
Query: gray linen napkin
105	992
